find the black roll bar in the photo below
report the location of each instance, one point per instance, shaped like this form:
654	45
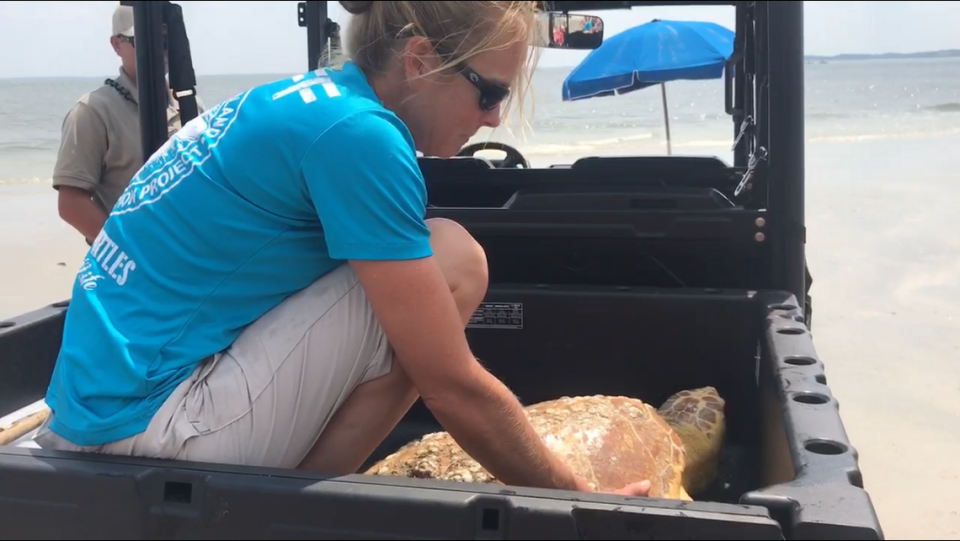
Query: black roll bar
151	87
787	138
312	15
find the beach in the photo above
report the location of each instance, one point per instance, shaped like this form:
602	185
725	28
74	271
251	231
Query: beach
887	324
882	215
42	253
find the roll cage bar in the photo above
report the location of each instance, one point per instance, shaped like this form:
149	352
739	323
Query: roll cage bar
763	84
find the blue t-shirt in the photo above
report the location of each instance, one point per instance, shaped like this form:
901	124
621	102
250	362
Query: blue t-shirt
244	206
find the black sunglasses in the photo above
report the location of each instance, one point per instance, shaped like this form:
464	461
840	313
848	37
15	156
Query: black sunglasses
133	42
491	93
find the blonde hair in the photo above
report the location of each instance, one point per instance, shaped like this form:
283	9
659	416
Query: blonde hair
464	29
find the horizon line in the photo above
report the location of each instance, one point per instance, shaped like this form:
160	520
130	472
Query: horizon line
940	53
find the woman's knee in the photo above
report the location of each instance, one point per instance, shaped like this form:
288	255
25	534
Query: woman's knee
462	262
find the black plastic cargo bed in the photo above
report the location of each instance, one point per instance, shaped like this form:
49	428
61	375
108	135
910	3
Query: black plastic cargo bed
788	469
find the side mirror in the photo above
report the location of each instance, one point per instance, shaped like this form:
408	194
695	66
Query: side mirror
565	31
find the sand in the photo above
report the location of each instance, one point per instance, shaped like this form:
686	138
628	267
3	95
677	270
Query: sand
41	252
885	256
884	249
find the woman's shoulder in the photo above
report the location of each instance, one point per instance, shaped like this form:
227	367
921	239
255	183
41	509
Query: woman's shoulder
335	105
360	112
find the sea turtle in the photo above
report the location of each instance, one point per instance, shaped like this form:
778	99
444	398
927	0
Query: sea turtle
608	440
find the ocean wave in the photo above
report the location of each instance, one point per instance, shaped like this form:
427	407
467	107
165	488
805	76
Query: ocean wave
549	149
25	181
884	136
943	108
29	145
643	143
852	138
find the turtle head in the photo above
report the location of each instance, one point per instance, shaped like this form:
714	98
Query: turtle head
700	409
697	416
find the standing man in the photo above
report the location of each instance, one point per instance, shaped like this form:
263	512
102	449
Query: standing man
100	148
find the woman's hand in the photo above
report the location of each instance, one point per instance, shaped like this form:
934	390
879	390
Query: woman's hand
641	488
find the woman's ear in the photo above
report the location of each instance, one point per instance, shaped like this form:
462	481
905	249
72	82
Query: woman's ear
419	57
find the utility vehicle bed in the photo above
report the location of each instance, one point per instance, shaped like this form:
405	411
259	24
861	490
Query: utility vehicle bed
788	469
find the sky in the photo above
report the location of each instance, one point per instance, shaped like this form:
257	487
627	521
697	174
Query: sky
70	39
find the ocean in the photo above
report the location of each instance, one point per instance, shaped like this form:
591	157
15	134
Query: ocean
846	101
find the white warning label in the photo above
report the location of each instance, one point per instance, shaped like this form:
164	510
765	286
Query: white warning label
497	315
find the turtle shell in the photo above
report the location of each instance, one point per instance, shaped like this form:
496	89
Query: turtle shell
609	441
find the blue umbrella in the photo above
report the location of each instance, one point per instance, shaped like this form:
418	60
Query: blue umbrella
651	53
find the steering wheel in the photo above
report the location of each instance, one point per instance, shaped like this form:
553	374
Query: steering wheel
512	160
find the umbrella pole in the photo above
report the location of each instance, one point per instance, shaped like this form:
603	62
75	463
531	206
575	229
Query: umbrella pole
666	116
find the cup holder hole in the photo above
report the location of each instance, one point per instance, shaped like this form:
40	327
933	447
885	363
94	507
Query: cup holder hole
791	331
825	447
811	398
800	361
821	379
6	324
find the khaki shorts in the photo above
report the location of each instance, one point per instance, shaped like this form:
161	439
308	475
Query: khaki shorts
266	399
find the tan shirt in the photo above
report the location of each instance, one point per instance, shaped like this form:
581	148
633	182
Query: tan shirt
100	144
